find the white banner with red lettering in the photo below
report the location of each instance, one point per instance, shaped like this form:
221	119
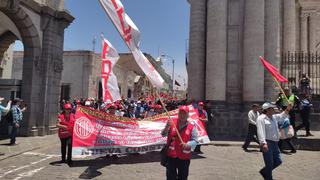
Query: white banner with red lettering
97	133
131	35
110	89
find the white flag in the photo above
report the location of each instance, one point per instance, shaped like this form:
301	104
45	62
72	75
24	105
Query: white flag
131	35
109	56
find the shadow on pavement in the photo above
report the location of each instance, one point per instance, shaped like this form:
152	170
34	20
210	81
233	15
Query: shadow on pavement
93	165
253	151
56	163
5	144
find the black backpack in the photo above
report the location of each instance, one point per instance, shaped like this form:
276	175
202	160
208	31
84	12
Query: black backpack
9	117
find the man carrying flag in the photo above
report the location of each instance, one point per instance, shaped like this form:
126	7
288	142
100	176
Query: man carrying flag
268	126
179	149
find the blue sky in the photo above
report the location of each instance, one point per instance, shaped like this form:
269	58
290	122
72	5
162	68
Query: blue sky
164	25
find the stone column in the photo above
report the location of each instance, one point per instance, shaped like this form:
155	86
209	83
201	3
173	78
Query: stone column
253	47
304	32
272	45
216	50
197	50
53	24
314	18
289	25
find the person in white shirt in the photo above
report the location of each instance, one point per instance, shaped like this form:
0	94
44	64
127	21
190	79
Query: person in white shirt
268	134
252	128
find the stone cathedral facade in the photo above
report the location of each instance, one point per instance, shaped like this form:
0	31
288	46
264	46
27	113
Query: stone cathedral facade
226	39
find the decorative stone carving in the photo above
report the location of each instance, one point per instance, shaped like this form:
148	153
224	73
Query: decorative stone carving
57	67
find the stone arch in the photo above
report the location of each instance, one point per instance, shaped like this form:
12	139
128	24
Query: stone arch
41	30
32	53
28	31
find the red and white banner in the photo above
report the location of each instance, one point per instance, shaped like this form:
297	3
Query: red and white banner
131	35
97	133
110	89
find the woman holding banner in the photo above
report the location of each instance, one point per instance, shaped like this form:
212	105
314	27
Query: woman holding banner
179	145
65	124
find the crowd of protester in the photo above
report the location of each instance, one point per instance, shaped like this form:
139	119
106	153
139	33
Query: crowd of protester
141	108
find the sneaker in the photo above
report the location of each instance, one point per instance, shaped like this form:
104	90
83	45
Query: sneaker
245	149
262	174
70	163
293	151
309	134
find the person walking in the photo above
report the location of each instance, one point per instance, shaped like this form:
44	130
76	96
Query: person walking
179	151
268	134
282	102
203	117
305	114
16	120
252	128
65	124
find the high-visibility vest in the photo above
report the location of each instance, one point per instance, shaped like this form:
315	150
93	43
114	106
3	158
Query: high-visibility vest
291	99
175	149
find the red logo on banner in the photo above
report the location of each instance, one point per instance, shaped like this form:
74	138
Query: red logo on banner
125	31
83	128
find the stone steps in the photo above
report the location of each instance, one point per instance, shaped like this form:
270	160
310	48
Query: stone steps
311	143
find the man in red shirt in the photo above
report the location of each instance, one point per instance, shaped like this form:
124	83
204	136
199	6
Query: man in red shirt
179	150
65	124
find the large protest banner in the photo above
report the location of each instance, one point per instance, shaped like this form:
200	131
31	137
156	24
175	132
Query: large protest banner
97	133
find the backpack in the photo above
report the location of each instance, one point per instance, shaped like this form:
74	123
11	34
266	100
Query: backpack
9	117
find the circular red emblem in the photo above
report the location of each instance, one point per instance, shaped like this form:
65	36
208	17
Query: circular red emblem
83	128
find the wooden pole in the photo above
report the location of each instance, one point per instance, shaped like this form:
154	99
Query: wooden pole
174	126
281	89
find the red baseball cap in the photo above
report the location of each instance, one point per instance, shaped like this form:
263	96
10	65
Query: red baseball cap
201	104
67	106
184	108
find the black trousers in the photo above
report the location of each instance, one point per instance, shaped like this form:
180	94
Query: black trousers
305	121
198	148
292	115
252	130
177	169
288	141
66	142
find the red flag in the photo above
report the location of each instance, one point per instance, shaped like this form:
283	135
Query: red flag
274	72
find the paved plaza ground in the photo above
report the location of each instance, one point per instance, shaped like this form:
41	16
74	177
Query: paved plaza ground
37	157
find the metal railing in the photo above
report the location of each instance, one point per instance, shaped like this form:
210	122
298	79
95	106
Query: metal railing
303	71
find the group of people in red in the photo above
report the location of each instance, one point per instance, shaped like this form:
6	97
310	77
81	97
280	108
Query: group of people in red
181	133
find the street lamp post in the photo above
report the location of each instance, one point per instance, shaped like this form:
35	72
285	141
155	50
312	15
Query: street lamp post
173	61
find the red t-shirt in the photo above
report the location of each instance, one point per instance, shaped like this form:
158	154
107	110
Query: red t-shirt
67	121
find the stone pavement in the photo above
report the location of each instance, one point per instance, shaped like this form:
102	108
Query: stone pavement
37	158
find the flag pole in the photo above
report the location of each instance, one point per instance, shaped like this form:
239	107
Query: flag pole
167	113
282	91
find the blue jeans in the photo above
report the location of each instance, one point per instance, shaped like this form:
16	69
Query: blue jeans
271	159
13	133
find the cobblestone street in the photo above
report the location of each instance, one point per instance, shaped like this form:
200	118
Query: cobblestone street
37	157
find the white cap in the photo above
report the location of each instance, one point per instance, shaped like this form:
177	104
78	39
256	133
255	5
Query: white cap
87	103
267	106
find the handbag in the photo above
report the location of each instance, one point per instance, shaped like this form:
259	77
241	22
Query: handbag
164	157
286	133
